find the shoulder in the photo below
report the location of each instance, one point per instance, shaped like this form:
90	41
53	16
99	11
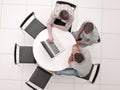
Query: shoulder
86	53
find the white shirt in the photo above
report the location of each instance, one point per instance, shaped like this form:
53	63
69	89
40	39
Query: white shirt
84	67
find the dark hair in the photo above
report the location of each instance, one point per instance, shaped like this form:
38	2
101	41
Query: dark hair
78	57
88	27
64	15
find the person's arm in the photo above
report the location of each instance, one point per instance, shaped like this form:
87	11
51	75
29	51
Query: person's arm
50	24
78	33
70	58
82	42
69	23
49	28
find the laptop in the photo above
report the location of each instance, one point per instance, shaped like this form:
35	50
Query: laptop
54	48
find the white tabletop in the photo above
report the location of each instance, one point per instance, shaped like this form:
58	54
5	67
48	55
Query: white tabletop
59	62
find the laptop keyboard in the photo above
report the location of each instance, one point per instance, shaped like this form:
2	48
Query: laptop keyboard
47	49
53	47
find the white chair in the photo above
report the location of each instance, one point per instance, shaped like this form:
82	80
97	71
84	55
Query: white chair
39	79
91	77
23	54
32	25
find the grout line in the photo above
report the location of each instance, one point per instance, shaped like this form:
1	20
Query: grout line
11	79
101	43
6	53
110	9
17	4
0	14
88	8
112	33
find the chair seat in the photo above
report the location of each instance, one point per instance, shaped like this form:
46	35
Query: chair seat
34	28
39	78
26	55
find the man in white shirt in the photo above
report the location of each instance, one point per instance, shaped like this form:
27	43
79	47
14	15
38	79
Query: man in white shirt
80	62
87	34
61	18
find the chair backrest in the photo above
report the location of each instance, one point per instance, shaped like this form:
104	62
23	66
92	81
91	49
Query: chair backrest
39	78
91	77
23	54
64	2
99	40
15	53
34	27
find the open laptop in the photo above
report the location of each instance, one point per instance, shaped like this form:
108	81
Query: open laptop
54	48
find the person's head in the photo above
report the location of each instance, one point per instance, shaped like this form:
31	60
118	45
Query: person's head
88	27
64	15
75	48
78	57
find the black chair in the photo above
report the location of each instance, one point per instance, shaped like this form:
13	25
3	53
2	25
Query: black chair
34	27
39	79
91	77
23	54
64	2
99	40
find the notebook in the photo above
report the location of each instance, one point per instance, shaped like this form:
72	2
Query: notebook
54	48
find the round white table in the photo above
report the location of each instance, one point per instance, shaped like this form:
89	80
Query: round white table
60	61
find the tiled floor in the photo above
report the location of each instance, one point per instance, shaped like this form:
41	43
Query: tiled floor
104	13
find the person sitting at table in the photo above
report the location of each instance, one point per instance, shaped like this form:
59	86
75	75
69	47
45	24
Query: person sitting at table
87	34
61	18
80	62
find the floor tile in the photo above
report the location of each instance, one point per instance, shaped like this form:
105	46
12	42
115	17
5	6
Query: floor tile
110	46
12	16
86	87
28	70
28	40
0	1
14	1
110	87
111	21
42	13
112	4
110	72
10	85
39	2
90	3
8	38
60	86
62	79
8	69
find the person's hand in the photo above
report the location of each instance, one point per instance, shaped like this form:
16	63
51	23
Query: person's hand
51	39
76	38
78	42
53	25
70	59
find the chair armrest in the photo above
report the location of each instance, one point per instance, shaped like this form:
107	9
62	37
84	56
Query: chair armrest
96	74
26	19
15	53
